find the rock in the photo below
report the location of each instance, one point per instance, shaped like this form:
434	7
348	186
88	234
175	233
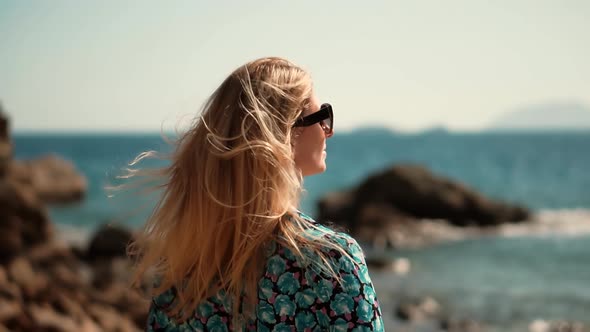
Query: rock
109	242
11	242
5	156
88	325
5	145
10	290
417	192
66	276
124	299
55	180
50	253
4	124
31	283
540	325
110	320
338	206
399	266
385	208
20	172
461	325
418	310
23	219
46	285
21	272
9	309
45	318
65	304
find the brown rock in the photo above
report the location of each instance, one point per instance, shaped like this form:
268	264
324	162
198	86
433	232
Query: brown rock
385	208
5	156
461	325
21	271
419	310
9	309
4	125
108	242
88	325
23	219
125	300
416	192
11	242
20	172
10	290
66	276
64	304
21	323
5	145
111	320
56	180
50	253
338	207
31	283
46	318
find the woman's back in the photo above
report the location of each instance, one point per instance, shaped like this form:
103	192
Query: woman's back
291	296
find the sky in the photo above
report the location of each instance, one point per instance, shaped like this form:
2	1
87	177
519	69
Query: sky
405	65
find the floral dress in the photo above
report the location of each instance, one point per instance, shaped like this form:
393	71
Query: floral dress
292	297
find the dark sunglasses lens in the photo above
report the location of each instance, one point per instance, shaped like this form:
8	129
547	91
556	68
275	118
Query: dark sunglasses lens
328	124
329	121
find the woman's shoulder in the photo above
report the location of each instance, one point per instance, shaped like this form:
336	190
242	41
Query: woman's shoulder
334	235
336	243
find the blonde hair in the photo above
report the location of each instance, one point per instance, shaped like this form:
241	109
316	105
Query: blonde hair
225	194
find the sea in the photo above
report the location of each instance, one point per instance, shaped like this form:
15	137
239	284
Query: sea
505	281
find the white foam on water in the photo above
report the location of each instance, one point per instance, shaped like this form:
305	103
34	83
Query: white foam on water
562	222
78	236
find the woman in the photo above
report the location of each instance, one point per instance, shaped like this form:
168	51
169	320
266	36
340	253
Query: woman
228	246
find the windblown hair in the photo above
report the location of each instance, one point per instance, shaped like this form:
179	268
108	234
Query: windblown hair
225	194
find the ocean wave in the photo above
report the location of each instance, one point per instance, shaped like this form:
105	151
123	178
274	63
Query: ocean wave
78	236
561	222
428	232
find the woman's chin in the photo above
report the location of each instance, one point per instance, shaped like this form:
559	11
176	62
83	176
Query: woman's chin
320	168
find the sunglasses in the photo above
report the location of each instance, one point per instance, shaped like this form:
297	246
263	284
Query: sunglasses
325	116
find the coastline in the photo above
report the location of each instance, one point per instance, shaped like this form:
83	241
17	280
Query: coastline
402	293
544	223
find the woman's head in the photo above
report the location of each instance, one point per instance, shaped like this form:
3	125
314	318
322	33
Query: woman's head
247	134
261	102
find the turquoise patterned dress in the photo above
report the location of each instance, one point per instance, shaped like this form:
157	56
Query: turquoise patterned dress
292	297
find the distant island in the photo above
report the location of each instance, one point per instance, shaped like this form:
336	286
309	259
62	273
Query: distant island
549	116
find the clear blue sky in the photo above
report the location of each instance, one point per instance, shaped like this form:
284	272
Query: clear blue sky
141	65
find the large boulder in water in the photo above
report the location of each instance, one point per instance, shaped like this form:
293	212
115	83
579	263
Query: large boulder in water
55	180
405	194
417	192
108	242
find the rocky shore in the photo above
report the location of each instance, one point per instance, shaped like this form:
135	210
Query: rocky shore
48	285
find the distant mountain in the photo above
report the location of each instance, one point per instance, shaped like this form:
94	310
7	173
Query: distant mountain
373	131
549	116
